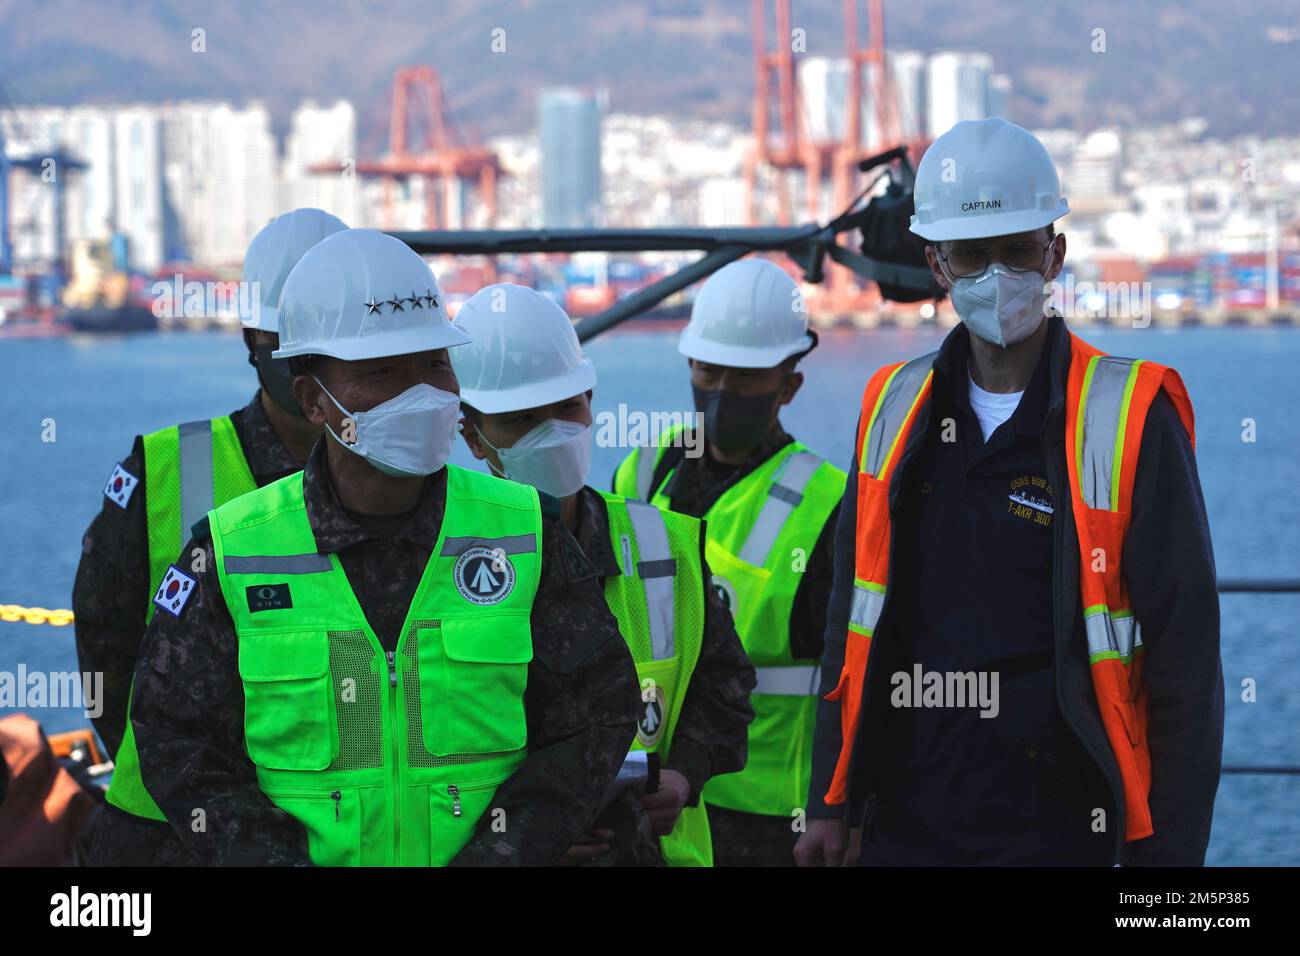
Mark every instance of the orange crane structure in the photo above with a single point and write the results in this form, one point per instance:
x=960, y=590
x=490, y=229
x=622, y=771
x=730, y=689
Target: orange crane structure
x=423, y=141
x=791, y=147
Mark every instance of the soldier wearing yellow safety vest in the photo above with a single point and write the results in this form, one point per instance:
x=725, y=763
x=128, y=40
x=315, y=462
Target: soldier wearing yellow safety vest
x=385, y=659
x=526, y=390
x=1022, y=661
x=168, y=482
x=768, y=503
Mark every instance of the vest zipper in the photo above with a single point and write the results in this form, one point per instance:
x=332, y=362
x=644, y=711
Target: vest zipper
x=336, y=796
x=396, y=757
x=455, y=799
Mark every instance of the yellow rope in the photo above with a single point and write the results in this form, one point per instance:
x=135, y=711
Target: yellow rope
x=34, y=615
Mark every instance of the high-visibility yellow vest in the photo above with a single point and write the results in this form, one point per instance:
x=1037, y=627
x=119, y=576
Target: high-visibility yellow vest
x=387, y=758
x=188, y=470
x=759, y=536
x=658, y=601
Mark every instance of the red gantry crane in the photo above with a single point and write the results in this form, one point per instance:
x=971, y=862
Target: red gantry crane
x=790, y=146
x=423, y=141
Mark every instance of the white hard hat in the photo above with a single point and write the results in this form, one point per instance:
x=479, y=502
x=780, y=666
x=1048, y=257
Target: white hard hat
x=748, y=314
x=524, y=354
x=271, y=256
x=362, y=294
x=985, y=178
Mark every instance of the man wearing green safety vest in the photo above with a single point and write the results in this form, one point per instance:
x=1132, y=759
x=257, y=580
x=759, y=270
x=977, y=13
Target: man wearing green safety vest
x=168, y=482
x=526, y=392
x=385, y=659
x=769, y=504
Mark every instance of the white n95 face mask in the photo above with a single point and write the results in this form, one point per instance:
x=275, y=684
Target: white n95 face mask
x=1001, y=306
x=554, y=457
x=410, y=435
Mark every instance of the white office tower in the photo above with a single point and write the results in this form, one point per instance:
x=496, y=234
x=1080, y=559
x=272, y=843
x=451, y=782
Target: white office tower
x=908, y=70
x=824, y=86
x=999, y=94
x=958, y=89
x=221, y=165
x=139, y=189
x=320, y=135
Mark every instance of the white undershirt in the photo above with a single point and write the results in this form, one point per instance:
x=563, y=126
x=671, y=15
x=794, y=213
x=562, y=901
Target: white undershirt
x=991, y=408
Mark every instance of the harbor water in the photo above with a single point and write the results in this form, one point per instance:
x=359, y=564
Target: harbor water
x=70, y=406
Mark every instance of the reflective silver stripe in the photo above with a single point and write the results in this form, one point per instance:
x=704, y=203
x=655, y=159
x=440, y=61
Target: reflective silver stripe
x=865, y=610
x=646, y=460
x=652, y=547
x=195, y=467
x=894, y=406
x=277, y=563
x=782, y=498
x=657, y=569
x=1121, y=634
x=788, y=681
x=510, y=544
x=1102, y=406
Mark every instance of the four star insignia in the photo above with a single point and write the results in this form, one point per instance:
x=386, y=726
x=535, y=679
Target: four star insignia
x=395, y=304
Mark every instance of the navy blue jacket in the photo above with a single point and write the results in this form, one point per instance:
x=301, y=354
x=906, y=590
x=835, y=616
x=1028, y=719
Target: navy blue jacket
x=1169, y=567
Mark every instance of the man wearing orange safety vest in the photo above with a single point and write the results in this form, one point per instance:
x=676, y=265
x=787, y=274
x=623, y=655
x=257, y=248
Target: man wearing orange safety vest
x=1022, y=650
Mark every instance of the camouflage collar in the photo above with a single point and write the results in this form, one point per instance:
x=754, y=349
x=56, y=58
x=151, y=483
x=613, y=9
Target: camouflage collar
x=335, y=529
x=268, y=458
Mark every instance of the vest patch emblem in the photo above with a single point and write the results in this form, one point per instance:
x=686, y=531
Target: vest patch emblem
x=1031, y=499
x=651, y=725
x=484, y=575
x=121, y=484
x=268, y=597
x=726, y=592
x=175, y=591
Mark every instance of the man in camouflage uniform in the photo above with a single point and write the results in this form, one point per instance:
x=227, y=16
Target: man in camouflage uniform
x=525, y=378
x=114, y=582
x=581, y=698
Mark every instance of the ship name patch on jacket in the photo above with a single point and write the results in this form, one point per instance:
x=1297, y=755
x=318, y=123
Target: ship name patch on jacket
x=175, y=591
x=121, y=484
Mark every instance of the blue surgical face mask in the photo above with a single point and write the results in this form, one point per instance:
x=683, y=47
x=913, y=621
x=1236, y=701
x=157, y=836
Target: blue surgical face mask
x=1001, y=306
x=554, y=457
x=410, y=435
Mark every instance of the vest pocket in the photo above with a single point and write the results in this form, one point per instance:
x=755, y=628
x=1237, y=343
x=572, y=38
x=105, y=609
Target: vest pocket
x=473, y=672
x=289, y=721
x=454, y=813
x=332, y=819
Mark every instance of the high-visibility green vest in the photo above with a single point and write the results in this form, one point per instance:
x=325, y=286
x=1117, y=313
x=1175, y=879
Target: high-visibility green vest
x=386, y=758
x=188, y=469
x=658, y=601
x=759, y=537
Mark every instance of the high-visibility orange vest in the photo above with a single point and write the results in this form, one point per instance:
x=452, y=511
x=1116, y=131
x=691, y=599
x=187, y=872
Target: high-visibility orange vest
x=1106, y=411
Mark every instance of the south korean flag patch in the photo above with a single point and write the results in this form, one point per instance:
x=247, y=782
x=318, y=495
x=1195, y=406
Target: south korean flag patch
x=175, y=590
x=121, y=485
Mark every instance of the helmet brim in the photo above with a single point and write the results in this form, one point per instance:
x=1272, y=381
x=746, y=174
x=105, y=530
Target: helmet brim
x=739, y=356
x=382, y=345
x=989, y=226
x=579, y=379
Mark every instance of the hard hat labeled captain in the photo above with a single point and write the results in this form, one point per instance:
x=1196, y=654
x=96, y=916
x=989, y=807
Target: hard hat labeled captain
x=388, y=612
x=1025, y=506
x=526, y=386
x=769, y=503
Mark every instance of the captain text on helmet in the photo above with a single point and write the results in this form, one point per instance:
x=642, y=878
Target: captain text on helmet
x=768, y=502
x=1023, y=512
x=385, y=659
x=526, y=388
x=168, y=482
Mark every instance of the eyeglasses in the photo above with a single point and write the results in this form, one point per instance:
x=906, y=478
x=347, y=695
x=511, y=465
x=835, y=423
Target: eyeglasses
x=1021, y=255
